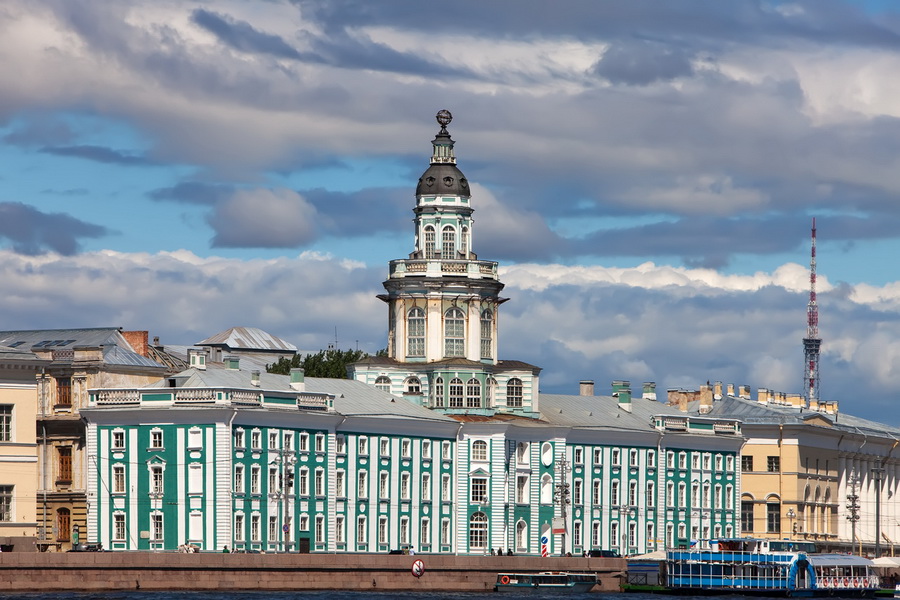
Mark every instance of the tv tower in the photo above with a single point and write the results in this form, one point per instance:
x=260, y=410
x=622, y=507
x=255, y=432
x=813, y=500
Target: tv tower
x=812, y=342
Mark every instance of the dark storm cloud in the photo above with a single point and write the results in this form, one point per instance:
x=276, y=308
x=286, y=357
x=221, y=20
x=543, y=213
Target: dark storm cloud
x=99, y=154
x=193, y=192
x=242, y=36
x=641, y=62
x=33, y=232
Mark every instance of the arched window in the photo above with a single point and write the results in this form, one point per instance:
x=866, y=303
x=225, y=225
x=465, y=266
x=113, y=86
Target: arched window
x=415, y=332
x=479, y=450
x=487, y=333
x=478, y=531
x=448, y=242
x=521, y=536
x=429, y=241
x=490, y=391
x=473, y=393
x=439, y=392
x=546, y=489
x=456, y=393
x=454, y=333
x=514, y=392
x=413, y=386
x=464, y=241
x=383, y=383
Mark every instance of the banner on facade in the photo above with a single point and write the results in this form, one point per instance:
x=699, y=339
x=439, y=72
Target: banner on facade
x=559, y=525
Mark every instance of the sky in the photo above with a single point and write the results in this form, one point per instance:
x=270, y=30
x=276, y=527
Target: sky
x=646, y=173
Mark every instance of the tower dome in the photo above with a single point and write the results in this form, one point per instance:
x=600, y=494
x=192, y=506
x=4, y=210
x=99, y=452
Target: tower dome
x=443, y=177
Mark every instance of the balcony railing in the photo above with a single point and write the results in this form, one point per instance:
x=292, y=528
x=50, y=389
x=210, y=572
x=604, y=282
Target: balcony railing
x=436, y=267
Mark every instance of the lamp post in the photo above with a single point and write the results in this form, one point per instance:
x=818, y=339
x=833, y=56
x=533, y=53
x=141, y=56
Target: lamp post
x=287, y=460
x=790, y=515
x=562, y=495
x=878, y=475
x=853, y=508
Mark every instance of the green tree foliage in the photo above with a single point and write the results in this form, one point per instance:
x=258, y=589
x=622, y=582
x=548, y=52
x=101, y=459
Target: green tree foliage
x=325, y=363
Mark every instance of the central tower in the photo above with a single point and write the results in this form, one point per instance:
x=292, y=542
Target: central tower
x=443, y=307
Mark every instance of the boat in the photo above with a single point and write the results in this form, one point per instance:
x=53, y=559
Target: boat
x=546, y=581
x=768, y=567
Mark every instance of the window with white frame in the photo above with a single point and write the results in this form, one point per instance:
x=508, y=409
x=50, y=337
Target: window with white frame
x=304, y=442
x=413, y=386
x=254, y=479
x=339, y=486
x=632, y=493
x=118, y=479
x=479, y=450
x=546, y=489
x=118, y=440
x=576, y=533
x=304, y=522
x=319, y=482
x=426, y=487
x=682, y=494
x=119, y=527
x=273, y=440
x=320, y=442
x=273, y=528
x=695, y=495
x=707, y=496
x=383, y=383
x=578, y=455
x=695, y=461
x=448, y=242
x=303, y=484
x=384, y=489
x=195, y=437
x=445, y=531
x=614, y=534
x=478, y=530
x=415, y=332
x=598, y=457
x=522, y=489
x=439, y=392
x=363, y=445
x=718, y=462
x=522, y=453
x=382, y=530
x=651, y=494
x=445, y=487
x=239, y=479
x=404, y=530
x=514, y=393
x=238, y=438
x=156, y=439
x=487, y=333
x=596, y=540
x=707, y=461
x=670, y=459
x=717, y=493
x=670, y=493
x=651, y=530
x=429, y=242
x=425, y=531
x=156, y=479
x=156, y=527
x=361, y=529
x=682, y=460
x=288, y=440
x=339, y=529
x=521, y=536
x=405, y=449
x=473, y=393
x=729, y=497
x=616, y=457
x=384, y=445
x=614, y=492
x=651, y=458
x=479, y=490
x=577, y=491
x=340, y=444
x=454, y=333
x=256, y=439
x=404, y=486
x=633, y=457
x=446, y=453
x=426, y=449
x=632, y=534
x=195, y=478
x=456, y=392
x=597, y=493
x=273, y=480
x=361, y=484
x=320, y=529
x=254, y=528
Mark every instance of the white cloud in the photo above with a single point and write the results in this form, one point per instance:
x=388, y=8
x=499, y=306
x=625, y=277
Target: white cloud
x=265, y=218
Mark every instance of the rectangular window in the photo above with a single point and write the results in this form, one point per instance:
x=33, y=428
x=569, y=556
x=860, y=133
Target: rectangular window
x=425, y=532
x=746, y=516
x=670, y=459
x=576, y=533
x=385, y=446
x=479, y=490
x=64, y=391
x=320, y=482
x=616, y=457
x=254, y=528
x=404, y=486
x=339, y=484
x=633, y=458
x=405, y=449
x=118, y=440
x=773, y=518
x=273, y=440
x=339, y=529
x=156, y=527
x=273, y=480
x=614, y=493
x=340, y=444
x=404, y=530
x=304, y=442
x=773, y=464
x=445, y=487
x=156, y=480
x=426, y=448
x=304, y=482
x=288, y=441
x=361, y=537
x=596, y=495
x=239, y=528
x=320, y=529
x=384, y=489
x=706, y=461
x=363, y=444
x=118, y=479
x=426, y=487
x=254, y=479
x=382, y=530
x=304, y=523
x=445, y=531
x=119, y=527
x=238, y=438
x=256, y=440
x=6, y=503
x=682, y=460
x=718, y=462
x=239, y=479
x=156, y=439
x=445, y=450
x=522, y=489
x=651, y=458
x=320, y=442
x=746, y=464
x=273, y=529
x=598, y=457
x=65, y=463
x=361, y=488
x=578, y=455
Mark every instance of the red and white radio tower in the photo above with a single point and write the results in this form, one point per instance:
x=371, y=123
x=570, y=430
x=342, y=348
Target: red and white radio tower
x=812, y=342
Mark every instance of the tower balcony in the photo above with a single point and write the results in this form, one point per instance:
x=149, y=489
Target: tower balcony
x=438, y=267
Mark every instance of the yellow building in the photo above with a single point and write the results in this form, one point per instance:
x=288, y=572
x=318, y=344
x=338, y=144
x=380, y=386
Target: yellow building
x=18, y=450
x=809, y=472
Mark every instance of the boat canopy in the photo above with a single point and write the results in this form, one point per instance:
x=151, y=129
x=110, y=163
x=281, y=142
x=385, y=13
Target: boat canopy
x=839, y=560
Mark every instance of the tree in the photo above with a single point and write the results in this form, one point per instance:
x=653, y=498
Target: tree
x=325, y=363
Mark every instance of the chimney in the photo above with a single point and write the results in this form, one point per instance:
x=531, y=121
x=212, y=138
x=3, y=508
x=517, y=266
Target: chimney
x=678, y=398
x=649, y=391
x=254, y=378
x=197, y=358
x=156, y=340
x=137, y=340
x=624, y=395
x=706, y=399
x=717, y=391
x=730, y=392
x=297, y=382
x=762, y=395
x=745, y=392
x=586, y=387
x=233, y=363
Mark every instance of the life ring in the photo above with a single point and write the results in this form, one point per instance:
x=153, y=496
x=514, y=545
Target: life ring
x=504, y=579
x=846, y=582
x=855, y=582
x=824, y=582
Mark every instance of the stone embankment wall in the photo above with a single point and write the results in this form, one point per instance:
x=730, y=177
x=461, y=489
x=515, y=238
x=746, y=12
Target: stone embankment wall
x=170, y=571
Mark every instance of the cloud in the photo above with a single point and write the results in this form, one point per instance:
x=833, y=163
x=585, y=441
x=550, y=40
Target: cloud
x=264, y=218
x=33, y=232
x=241, y=35
x=99, y=154
x=194, y=192
x=642, y=62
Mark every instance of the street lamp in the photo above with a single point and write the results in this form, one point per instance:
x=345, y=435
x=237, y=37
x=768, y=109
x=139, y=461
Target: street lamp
x=853, y=508
x=287, y=460
x=878, y=475
x=790, y=515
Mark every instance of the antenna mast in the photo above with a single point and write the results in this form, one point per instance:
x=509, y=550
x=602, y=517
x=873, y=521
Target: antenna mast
x=812, y=342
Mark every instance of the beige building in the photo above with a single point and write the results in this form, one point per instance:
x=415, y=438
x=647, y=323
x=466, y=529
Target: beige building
x=69, y=362
x=18, y=449
x=809, y=472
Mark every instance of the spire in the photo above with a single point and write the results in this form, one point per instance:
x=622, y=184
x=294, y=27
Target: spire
x=812, y=342
x=443, y=145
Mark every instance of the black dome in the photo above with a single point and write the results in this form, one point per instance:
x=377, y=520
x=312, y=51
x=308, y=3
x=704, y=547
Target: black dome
x=443, y=180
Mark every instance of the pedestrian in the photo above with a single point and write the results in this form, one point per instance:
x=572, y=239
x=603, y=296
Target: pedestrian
x=412, y=550
x=225, y=550
x=500, y=551
x=509, y=552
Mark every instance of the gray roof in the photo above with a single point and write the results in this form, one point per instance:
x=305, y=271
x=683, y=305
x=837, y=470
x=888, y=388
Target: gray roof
x=753, y=412
x=601, y=412
x=116, y=350
x=249, y=338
